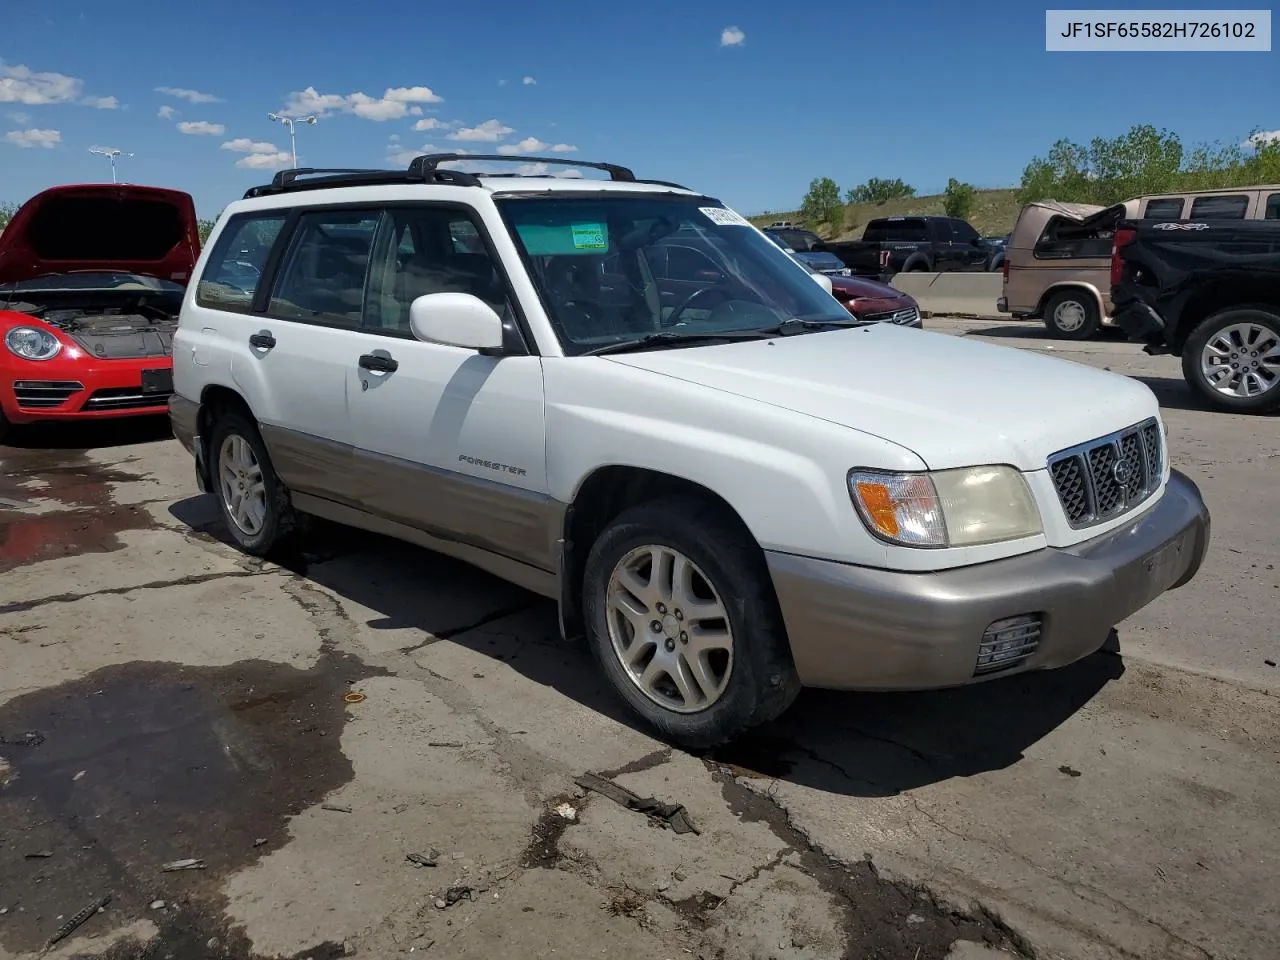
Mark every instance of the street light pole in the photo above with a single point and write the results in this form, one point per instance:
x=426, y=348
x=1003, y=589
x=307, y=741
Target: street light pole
x=293, y=140
x=111, y=155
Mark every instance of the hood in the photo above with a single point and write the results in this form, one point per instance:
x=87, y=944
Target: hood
x=953, y=402
x=121, y=228
x=858, y=288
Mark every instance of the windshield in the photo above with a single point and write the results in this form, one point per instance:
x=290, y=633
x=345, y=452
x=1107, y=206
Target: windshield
x=91, y=280
x=610, y=269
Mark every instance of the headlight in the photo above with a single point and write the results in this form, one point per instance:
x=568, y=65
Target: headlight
x=947, y=508
x=32, y=343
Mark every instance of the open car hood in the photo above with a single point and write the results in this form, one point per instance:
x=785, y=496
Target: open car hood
x=123, y=228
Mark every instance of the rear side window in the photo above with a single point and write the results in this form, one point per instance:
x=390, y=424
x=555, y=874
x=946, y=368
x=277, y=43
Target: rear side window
x=1226, y=207
x=963, y=232
x=1169, y=208
x=322, y=276
x=1273, y=207
x=235, y=265
x=912, y=230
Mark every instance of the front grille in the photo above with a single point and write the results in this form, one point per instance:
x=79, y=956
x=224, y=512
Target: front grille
x=1008, y=643
x=903, y=317
x=42, y=394
x=1107, y=477
x=125, y=398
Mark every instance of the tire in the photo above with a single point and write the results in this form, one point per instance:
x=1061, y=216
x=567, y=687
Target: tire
x=753, y=684
x=916, y=266
x=234, y=432
x=1256, y=330
x=1072, y=315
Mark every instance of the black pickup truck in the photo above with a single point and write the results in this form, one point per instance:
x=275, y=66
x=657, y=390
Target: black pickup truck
x=892, y=245
x=1209, y=292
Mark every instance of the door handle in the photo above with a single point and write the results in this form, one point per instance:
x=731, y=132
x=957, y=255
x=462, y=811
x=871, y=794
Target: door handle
x=263, y=340
x=378, y=362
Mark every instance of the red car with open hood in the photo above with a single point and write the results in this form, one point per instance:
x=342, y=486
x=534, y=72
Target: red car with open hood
x=91, y=281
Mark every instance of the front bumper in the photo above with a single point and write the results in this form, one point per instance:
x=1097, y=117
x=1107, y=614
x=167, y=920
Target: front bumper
x=1002, y=305
x=857, y=628
x=84, y=389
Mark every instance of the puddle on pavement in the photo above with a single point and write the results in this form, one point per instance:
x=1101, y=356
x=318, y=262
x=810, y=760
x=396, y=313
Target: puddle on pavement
x=140, y=764
x=88, y=520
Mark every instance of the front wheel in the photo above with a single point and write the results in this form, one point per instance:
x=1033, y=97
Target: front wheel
x=253, y=502
x=682, y=618
x=1232, y=359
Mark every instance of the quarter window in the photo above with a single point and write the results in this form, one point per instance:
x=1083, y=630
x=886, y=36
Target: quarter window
x=1170, y=208
x=1230, y=206
x=1273, y=207
x=322, y=277
x=235, y=266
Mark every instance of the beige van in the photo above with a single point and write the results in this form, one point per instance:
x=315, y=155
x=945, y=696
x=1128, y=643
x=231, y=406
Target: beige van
x=1057, y=266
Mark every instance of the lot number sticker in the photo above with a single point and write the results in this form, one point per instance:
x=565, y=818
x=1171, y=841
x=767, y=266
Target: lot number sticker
x=589, y=236
x=724, y=217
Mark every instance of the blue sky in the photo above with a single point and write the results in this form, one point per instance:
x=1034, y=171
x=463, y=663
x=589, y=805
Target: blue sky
x=747, y=100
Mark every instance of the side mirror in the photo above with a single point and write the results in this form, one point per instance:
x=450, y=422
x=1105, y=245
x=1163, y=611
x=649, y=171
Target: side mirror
x=822, y=280
x=456, y=320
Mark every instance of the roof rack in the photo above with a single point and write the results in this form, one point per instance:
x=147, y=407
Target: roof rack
x=429, y=162
x=423, y=169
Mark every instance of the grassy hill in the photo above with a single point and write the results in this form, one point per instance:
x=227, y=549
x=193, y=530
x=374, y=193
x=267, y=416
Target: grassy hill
x=994, y=212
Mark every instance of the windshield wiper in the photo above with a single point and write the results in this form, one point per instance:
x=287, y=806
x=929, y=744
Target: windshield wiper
x=789, y=328
x=677, y=338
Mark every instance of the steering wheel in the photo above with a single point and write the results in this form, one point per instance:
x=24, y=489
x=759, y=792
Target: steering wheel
x=720, y=289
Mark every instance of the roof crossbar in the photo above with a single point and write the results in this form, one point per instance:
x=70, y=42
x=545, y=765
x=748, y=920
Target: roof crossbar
x=429, y=162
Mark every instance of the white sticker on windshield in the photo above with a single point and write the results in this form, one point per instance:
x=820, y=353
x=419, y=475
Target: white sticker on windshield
x=724, y=217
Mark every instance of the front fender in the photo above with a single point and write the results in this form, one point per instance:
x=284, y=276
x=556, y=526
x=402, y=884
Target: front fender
x=782, y=472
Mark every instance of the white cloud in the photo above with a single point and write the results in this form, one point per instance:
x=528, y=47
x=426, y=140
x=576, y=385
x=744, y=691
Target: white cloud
x=166, y=112
x=1261, y=137
x=245, y=145
x=527, y=145
x=28, y=139
x=19, y=117
x=198, y=128
x=191, y=96
x=529, y=82
x=266, y=161
x=564, y=148
x=542, y=169
x=491, y=131
x=21, y=84
x=502, y=83
x=395, y=103
x=427, y=123
x=412, y=95
x=732, y=37
x=394, y=138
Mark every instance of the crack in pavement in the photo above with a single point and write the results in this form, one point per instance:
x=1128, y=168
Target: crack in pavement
x=22, y=606
x=492, y=617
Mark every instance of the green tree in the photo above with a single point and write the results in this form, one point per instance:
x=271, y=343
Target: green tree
x=877, y=190
x=7, y=210
x=822, y=203
x=206, y=228
x=957, y=200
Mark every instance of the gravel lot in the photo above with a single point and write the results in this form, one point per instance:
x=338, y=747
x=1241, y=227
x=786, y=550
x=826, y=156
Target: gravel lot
x=162, y=697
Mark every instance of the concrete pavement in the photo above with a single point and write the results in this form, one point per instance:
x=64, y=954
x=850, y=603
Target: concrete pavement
x=163, y=697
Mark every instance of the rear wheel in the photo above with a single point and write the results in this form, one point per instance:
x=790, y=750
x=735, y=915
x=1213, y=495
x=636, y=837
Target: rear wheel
x=254, y=503
x=683, y=620
x=1072, y=315
x=1232, y=359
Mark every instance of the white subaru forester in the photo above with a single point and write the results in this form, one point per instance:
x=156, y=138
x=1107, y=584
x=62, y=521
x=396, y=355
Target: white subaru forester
x=621, y=395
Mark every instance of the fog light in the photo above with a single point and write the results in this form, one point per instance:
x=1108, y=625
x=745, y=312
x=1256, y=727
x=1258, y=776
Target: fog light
x=1007, y=643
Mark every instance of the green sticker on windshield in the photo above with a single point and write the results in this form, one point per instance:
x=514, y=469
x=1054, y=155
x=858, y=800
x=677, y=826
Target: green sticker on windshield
x=589, y=236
